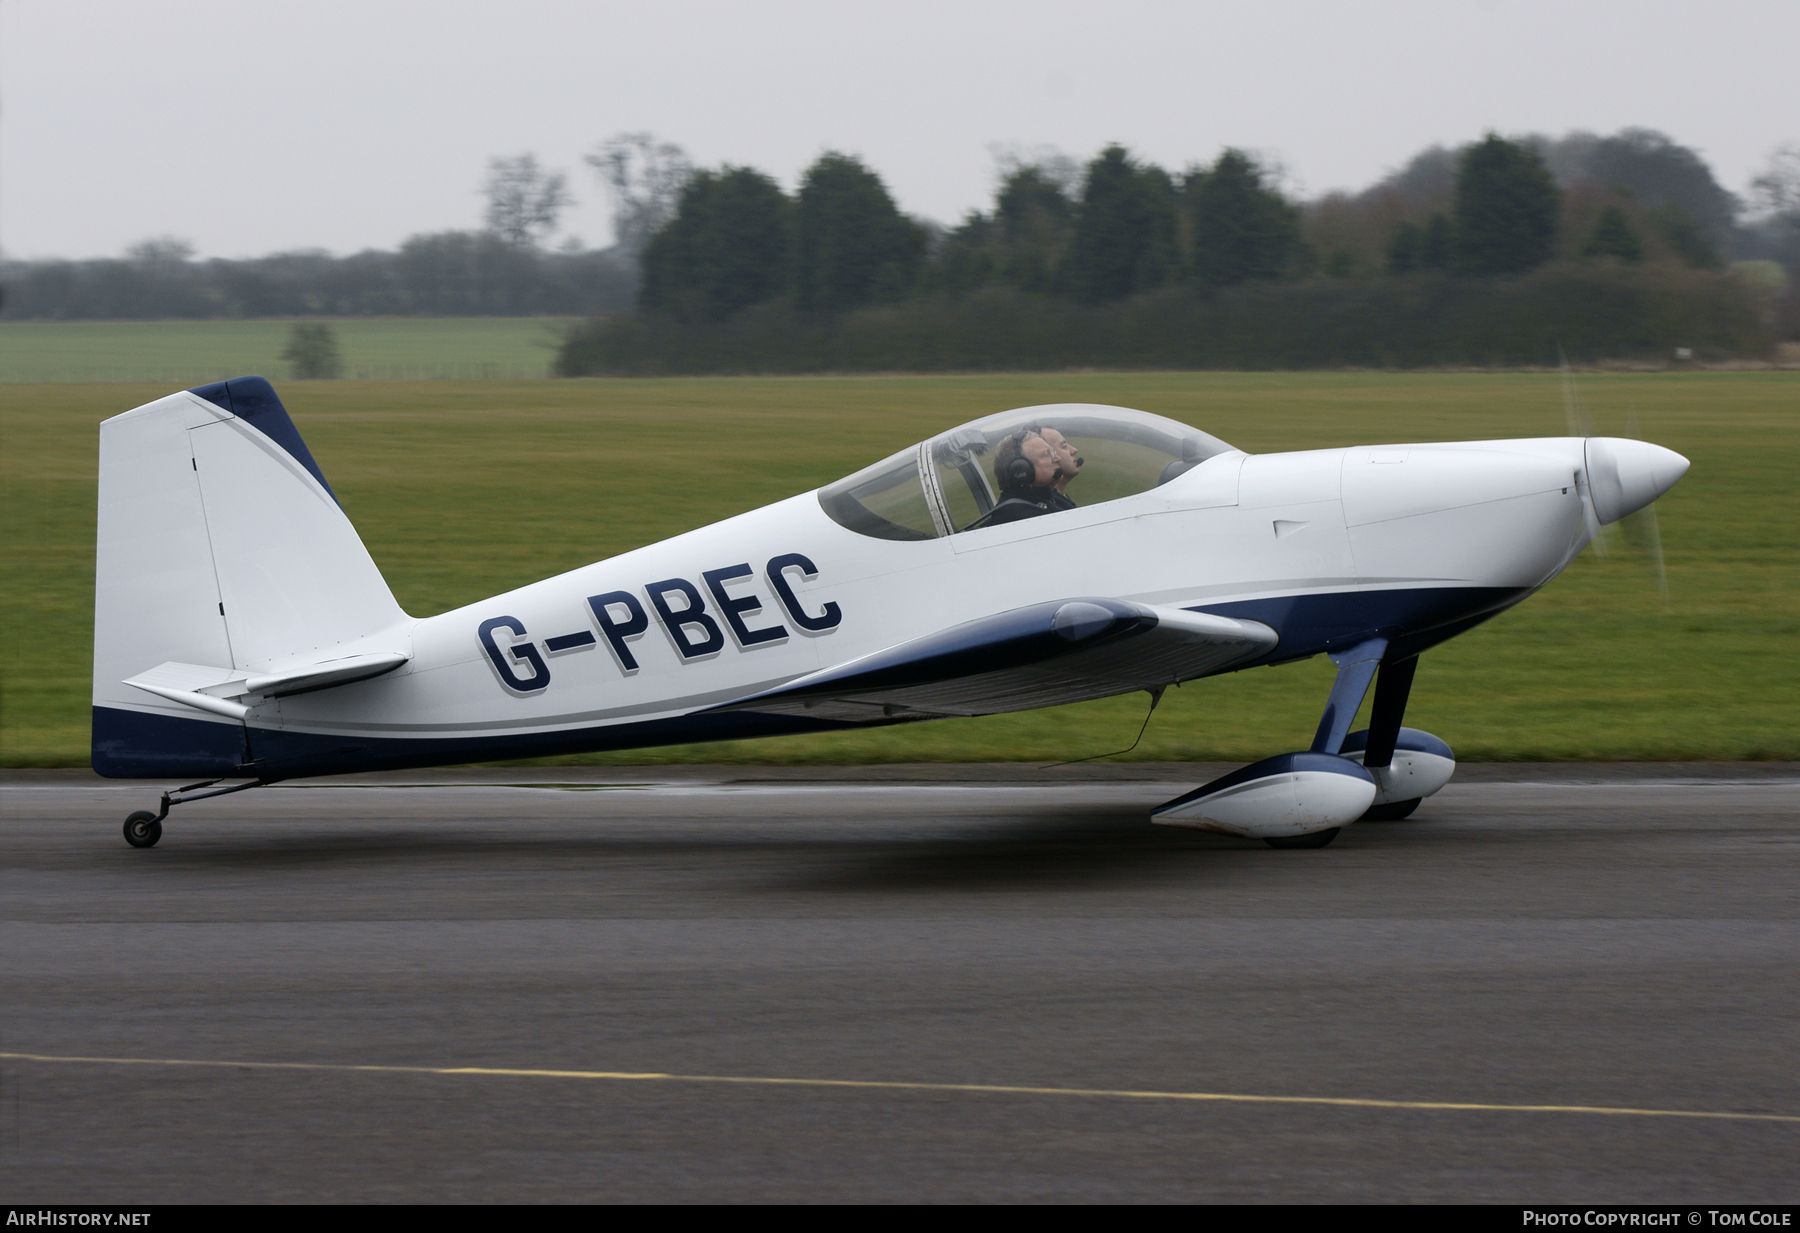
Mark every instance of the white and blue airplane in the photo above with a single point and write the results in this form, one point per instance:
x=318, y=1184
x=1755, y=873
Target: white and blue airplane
x=241, y=629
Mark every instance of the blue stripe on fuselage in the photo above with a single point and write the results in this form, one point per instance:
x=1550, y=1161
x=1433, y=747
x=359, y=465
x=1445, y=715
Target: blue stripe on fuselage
x=1413, y=619
x=150, y=744
x=130, y=744
x=147, y=745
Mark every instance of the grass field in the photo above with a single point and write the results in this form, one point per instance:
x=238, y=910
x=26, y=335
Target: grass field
x=462, y=489
x=189, y=353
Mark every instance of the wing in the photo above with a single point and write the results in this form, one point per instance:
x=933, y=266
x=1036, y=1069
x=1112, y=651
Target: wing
x=1045, y=655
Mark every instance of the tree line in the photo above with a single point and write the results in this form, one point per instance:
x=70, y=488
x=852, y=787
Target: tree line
x=1123, y=227
x=744, y=277
x=500, y=270
x=701, y=253
x=451, y=273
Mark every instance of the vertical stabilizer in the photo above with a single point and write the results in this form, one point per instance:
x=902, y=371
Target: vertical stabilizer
x=219, y=545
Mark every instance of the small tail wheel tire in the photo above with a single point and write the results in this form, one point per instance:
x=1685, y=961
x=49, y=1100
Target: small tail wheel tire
x=143, y=829
x=1393, y=811
x=1317, y=839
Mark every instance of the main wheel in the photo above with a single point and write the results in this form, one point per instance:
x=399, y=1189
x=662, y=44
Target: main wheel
x=142, y=829
x=1317, y=839
x=1393, y=811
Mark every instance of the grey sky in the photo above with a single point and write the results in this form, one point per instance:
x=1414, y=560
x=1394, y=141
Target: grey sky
x=250, y=127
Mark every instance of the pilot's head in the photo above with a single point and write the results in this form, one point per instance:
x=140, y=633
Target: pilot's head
x=1068, y=462
x=1024, y=460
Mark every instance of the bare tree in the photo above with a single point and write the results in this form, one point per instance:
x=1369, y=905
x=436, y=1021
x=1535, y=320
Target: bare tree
x=1050, y=163
x=1777, y=190
x=163, y=252
x=645, y=177
x=523, y=199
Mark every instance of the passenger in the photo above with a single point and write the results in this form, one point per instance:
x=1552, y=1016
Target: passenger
x=1026, y=469
x=1068, y=466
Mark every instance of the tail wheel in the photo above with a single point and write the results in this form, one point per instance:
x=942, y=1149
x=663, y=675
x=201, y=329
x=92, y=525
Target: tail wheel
x=142, y=829
x=1317, y=839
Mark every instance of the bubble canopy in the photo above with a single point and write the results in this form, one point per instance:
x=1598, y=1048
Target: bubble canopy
x=949, y=484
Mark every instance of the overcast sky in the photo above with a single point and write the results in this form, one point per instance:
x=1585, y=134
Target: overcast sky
x=250, y=127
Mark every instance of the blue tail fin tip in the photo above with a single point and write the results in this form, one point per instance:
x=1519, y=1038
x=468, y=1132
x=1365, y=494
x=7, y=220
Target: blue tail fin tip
x=253, y=400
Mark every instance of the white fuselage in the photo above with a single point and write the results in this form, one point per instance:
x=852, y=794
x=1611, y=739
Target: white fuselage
x=1370, y=529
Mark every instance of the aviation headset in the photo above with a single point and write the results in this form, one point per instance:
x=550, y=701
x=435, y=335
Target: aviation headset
x=1019, y=471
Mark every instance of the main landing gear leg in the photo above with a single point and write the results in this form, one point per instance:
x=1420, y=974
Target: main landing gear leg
x=1356, y=669
x=143, y=828
x=1392, y=689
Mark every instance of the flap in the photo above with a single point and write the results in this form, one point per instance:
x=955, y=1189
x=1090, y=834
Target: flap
x=1045, y=655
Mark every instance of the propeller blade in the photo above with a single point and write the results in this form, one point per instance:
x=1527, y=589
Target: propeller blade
x=1640, y=529
x=1640, y=533
x=1576, y=417
x=1574, y=414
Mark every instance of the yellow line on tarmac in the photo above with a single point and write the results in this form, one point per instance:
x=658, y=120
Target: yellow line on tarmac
x=997, y=1089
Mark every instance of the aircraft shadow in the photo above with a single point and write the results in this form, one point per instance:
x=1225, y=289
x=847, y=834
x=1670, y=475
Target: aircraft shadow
x=1096, y=845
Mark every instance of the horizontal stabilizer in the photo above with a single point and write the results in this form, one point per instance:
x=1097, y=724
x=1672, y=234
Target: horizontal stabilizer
x=1044, y=655
x=179, y=682
x=213, y=689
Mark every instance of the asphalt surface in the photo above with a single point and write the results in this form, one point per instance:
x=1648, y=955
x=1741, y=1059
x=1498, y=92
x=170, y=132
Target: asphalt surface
x=1575, y=939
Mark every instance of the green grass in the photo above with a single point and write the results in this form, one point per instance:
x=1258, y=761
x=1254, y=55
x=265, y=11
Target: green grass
x=190, y=353
x=1594, y=667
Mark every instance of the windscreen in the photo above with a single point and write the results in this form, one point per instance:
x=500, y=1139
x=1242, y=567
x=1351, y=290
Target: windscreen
x=886, y=500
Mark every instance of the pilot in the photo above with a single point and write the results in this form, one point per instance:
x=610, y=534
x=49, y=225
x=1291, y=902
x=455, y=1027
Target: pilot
x=1068, y=466
x=1026, y=468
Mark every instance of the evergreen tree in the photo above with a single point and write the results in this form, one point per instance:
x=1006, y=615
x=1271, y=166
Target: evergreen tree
x=313, y=351
x=726, y=248
x=1686, y=237
x=852, y=246
x=1403, y=249
x=1437, y=248
x=1124, y=237
x=1613, y=237
x=968, y=258
x=1019, y=244
x=1034, y=220
x=1243, y=229
x=1506, y=207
